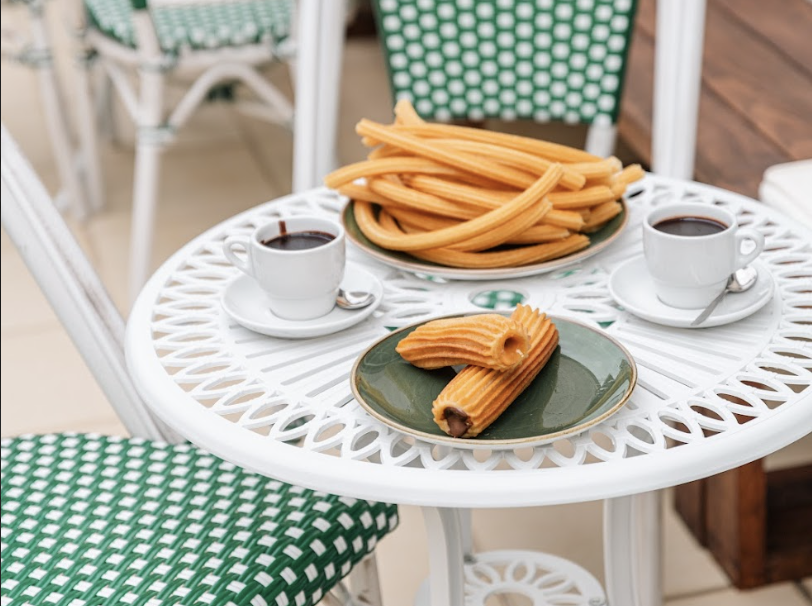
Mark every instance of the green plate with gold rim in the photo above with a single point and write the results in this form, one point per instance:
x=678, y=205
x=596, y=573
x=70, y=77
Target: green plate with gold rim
x=401, y=260
x=589, y=377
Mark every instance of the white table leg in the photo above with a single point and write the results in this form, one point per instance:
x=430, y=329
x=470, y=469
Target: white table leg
x=466, y=534
x=647, y=509
x=632, y=540
x=446, y=581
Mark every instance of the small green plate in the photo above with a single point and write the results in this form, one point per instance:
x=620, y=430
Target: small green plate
x=597, y=242
x=589, y=377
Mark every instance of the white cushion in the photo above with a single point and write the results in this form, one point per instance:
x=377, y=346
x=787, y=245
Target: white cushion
x=788, y=188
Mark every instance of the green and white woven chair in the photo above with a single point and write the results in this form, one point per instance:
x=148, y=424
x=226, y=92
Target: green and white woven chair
x=201, y=45
x=94, y=520
x=540, y=60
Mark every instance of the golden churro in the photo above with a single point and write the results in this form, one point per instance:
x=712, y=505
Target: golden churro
x=476, y=396
x=460, y=160
x=506, y=155
x=449, y=235
x=471, y=198
x=600, y=215
x=545, y=149
x=506, y=258
x=487, y=340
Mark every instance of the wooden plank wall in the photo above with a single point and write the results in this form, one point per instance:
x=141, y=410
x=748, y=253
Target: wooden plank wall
x=756, y=101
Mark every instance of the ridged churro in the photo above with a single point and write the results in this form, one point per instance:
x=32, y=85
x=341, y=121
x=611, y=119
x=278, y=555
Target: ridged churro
x=457, y=233
x=476, y=396
x=487, y=340
x=476, y=199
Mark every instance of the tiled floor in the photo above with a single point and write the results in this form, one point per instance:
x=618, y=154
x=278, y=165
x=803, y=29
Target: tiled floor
x=223, y=164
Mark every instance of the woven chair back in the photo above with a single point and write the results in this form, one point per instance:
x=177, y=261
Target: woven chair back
x=544, y=60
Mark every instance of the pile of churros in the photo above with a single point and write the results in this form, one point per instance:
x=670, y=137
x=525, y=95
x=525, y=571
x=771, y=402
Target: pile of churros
x=470, y=198
x=502, y=357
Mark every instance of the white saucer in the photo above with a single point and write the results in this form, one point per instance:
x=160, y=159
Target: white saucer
x=246, y=302
x=631, y=287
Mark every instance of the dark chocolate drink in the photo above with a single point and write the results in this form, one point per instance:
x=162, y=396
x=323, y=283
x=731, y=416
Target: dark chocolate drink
x=690, y=226
x=300, y=240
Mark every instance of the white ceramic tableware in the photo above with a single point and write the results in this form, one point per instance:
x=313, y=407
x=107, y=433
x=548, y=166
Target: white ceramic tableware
x=632, y=288
x=299, y=284
x=689, y=271
x=246, y=303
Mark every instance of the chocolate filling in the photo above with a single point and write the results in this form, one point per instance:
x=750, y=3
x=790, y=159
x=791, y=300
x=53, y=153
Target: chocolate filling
x=458, y=421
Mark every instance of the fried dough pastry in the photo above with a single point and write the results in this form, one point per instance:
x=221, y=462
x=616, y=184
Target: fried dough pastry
x=476, y=396
x=475, y=199
x=487, y=340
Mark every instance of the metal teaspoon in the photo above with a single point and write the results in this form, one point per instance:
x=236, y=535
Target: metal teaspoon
x=353, y=299
x=739, y=281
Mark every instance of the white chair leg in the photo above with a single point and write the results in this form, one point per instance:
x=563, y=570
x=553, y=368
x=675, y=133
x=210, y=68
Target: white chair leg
x=364, y=582
x=447, y=580
x=88, y=139
x=55, y=117
x=677, y=83
x=632, y=542
x=305, y=123
x=105, y=108
x=600, y=140
x=332, y=27
x=145, y=193
x=466, y=534
x=152, y=137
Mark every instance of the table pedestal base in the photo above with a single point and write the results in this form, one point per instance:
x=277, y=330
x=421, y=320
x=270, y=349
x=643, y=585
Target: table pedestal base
x=541, y=579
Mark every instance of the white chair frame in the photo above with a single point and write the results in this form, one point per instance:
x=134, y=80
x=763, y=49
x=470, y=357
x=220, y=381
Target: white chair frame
x=79, y=182
x=315, y=75
x=87, y=312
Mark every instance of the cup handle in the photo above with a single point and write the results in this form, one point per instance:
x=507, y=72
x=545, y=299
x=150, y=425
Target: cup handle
x=748, y=234
x=243, y=264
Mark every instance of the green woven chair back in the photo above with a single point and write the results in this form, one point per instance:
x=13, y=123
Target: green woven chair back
x=197, y=24
x=90, y=520
x=531, y=59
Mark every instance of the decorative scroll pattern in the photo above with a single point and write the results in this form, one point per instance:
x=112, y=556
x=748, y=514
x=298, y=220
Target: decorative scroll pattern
x=692, y=385
x=540, y=578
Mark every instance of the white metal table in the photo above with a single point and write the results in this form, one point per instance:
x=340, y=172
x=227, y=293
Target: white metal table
x=706, y=400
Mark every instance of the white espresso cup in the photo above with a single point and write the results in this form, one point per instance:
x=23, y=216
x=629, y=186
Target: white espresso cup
x=689, y=271
x=298, y=262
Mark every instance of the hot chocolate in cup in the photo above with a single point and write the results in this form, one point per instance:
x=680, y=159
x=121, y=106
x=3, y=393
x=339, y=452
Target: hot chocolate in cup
x=298, y=261
x=692, y=249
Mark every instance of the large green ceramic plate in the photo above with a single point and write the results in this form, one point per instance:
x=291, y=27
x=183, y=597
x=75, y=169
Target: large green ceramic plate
x=598, y=241
x=589, y=377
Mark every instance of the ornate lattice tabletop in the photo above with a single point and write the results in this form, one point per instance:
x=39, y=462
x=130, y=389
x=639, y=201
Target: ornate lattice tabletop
x=706, y=400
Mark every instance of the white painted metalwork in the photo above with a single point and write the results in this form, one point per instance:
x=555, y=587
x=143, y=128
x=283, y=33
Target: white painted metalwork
x=199, y=70
x=37, y=53
x=694, y=390
x=93, y=322
x=541, y=579
x=707, y=400
x=71, y=286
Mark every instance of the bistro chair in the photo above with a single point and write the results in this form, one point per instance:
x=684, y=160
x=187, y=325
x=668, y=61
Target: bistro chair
x=786, y=187
x=205, y=47
x=149, y=520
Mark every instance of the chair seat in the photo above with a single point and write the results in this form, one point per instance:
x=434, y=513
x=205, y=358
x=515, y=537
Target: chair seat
x=786, y=187
x=198, y=25
x=89, y=519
